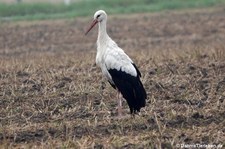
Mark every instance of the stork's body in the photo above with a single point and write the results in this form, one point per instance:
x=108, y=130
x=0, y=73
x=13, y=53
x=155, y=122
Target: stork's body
x=117, y=67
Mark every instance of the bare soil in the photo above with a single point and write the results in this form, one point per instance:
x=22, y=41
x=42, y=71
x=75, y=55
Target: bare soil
x=52, y=94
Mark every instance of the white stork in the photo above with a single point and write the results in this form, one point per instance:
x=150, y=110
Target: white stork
x=118, y=68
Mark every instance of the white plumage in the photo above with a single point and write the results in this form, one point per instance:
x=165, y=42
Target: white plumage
x=117, y=67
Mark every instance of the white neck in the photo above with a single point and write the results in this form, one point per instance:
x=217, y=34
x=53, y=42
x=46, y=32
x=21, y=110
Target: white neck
x=103, y=37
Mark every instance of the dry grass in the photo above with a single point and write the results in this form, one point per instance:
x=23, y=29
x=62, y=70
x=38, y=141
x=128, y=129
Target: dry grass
x=52, y=95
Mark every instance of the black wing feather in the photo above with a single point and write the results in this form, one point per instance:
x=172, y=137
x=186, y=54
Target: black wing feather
x=138, y=72
x=130, y=87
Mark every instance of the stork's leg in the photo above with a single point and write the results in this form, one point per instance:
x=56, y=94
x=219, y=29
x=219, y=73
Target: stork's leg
x=119, y=100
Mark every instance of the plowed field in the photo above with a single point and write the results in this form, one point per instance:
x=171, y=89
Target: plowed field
x=52, y=94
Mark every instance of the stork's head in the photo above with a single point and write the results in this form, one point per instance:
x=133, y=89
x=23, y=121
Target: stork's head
x=99, y=16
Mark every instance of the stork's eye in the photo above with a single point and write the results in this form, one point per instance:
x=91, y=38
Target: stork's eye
x=98, y=16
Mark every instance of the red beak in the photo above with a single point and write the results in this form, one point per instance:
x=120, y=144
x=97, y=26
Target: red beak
x=94, y=22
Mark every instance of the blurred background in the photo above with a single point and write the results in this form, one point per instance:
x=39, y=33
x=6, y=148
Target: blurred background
x=45, y=9
x=36, y=1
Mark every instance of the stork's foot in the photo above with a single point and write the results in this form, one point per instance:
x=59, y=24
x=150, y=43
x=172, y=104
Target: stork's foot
x=119, y=111
x=121, y=117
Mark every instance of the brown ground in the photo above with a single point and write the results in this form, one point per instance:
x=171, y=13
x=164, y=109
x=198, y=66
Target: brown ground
x=52, y=94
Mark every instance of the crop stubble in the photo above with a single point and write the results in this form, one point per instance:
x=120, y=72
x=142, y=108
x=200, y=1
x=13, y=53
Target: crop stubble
x=52, y=94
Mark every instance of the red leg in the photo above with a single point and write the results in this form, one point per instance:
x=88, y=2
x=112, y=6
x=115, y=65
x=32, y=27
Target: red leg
x=119, y=100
